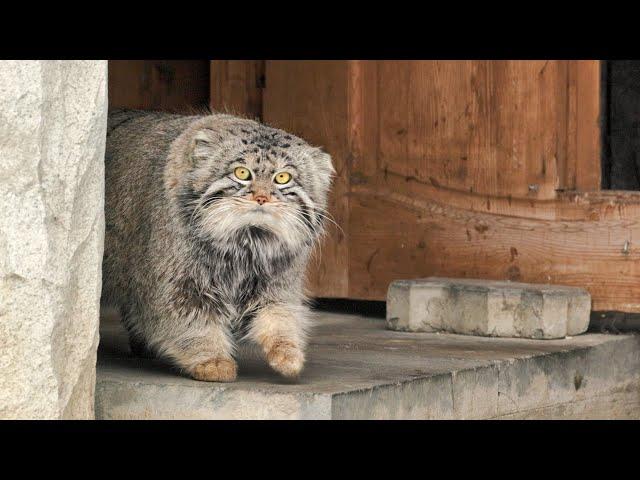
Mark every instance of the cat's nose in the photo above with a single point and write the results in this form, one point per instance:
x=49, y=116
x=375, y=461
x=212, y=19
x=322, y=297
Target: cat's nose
x=261, y=199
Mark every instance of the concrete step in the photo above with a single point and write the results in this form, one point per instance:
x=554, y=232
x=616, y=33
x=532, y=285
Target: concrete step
x=359, y=370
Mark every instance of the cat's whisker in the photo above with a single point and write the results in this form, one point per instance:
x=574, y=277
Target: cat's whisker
x=325, y=214
x=200, y=206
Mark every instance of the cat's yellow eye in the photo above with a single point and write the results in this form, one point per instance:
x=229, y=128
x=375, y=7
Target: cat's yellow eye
x=242, y=173
x=282, y=178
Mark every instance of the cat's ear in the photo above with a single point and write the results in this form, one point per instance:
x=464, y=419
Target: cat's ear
x=204, y=142
x=325, y=173
x=323, y=161
x=210, y=143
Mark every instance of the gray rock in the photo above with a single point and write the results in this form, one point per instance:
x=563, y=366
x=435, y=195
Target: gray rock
x=52, y=138
x=489, y=308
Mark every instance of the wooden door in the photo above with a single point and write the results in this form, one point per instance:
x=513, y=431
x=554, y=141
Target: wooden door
x=482, y=169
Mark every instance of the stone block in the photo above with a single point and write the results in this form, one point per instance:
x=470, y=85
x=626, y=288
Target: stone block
x=487, y=308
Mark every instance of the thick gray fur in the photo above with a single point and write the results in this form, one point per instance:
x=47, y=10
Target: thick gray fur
x=191, y=260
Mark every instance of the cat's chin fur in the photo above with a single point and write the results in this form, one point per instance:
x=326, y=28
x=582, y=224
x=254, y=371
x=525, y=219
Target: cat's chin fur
x=191, y=260
x=273, y=222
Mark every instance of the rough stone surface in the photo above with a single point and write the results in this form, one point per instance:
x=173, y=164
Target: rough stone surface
x=489, y=308
x=52, y=138
x=359, y=370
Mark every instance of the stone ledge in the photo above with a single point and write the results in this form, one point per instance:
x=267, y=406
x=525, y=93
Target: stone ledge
x=488, y=308
x=359, y=370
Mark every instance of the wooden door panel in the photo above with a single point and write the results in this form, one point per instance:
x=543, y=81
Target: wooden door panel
x=487, y=127
x=478, y=169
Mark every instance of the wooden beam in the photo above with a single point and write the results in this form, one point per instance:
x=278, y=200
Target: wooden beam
x=412, y=236
x=236, y=87
x=588, y=126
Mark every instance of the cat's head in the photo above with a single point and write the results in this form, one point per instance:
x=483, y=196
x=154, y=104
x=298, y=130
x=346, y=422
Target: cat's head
x=245, y=178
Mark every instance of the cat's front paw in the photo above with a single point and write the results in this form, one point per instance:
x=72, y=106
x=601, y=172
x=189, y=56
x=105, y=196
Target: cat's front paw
x=285, y=358
x=215, y=370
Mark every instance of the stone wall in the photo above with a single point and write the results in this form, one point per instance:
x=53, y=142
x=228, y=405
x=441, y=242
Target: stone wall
x=52, y=139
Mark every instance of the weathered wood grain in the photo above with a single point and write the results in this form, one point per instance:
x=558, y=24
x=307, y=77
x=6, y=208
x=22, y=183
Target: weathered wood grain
x=419, y=211
x=410, y=237
x=236, y=87
x=486, y=127
x=588, y=135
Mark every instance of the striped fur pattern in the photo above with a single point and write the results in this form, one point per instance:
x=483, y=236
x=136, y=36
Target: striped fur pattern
x=197, y=259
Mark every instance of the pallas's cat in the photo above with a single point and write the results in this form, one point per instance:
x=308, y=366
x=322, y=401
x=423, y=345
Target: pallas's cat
x=210, y=222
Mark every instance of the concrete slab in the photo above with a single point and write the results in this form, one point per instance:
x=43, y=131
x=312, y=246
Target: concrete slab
x=489, y=308
x=359, y=370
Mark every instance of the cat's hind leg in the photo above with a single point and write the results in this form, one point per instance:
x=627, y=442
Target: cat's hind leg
x=139, y=348
x=128, y=317
x=203, y=349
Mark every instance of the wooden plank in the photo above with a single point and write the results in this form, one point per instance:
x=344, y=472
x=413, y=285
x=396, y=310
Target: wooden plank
x=392, y=89
x=236, y=87
x=411, y=238
x=180, y=86
x=489, y=127
x=311, y=99
x=588, y=134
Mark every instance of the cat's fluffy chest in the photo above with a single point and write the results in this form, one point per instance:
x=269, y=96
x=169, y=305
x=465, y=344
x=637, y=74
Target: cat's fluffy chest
x=236, y=275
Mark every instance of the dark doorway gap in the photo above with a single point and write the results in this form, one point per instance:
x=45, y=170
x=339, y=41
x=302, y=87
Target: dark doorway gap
x=367, y=308
x=620, y=123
